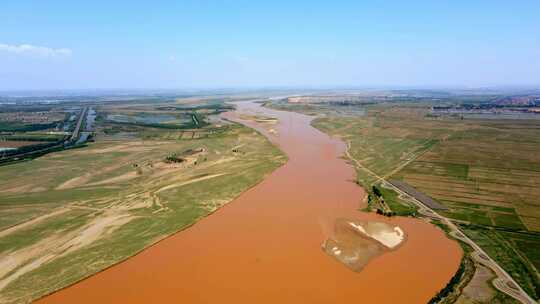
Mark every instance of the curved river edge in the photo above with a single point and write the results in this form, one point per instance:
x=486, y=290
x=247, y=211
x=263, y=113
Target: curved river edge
x=264, y=246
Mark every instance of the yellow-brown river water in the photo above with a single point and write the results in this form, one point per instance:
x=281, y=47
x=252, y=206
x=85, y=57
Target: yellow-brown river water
x=265, y=246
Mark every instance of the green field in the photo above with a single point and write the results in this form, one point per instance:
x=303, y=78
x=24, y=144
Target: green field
x=397, y=205
x=381, y=147
x=69, y=214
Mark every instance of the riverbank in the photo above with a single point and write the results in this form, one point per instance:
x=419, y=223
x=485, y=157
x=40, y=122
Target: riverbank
x=264, y=247
x=71, y=214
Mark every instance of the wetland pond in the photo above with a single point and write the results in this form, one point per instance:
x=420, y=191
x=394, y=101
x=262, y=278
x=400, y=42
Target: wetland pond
x=265, y=246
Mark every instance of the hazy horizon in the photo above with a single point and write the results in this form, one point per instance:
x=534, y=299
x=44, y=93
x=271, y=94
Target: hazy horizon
x=245, y=45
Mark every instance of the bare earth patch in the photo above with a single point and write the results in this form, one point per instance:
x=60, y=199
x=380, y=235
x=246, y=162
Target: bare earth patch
x=478, y=288
x=356, y=243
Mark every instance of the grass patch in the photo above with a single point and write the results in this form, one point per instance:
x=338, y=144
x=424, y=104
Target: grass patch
x=397, y=205
x=510, y=221
x=458, y=171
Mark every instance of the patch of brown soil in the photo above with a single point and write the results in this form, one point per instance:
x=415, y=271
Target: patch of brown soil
x=350, y=247
x=117, y=179
x=355, y=243
x=191, y=181
x=75, y=182
x=17, y=143
x=18, y=189
x=478, y=288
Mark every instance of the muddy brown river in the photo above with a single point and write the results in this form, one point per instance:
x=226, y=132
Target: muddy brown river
x=265, y=246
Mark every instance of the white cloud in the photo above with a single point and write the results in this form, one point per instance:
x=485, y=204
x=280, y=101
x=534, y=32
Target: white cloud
x=35, y=50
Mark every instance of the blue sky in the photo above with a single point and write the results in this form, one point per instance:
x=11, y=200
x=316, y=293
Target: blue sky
x=208, y=44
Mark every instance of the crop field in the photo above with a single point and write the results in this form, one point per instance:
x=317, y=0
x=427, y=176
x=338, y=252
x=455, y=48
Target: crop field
x=488, y=175
x=381, y=145
x=69, y=214
x=379, y=141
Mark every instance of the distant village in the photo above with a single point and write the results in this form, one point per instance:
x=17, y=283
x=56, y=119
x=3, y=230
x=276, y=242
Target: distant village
x=510, y=104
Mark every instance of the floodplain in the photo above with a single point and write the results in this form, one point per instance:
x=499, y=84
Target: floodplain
x=69, y=214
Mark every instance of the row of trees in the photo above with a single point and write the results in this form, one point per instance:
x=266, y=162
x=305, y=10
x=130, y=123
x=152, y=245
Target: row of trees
x=14, y=127
x=381, y=211
x=46, y=138
x=29, y=149
x=174, y=158
x=377, y=191
x=443, y=293
x=385, y=213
